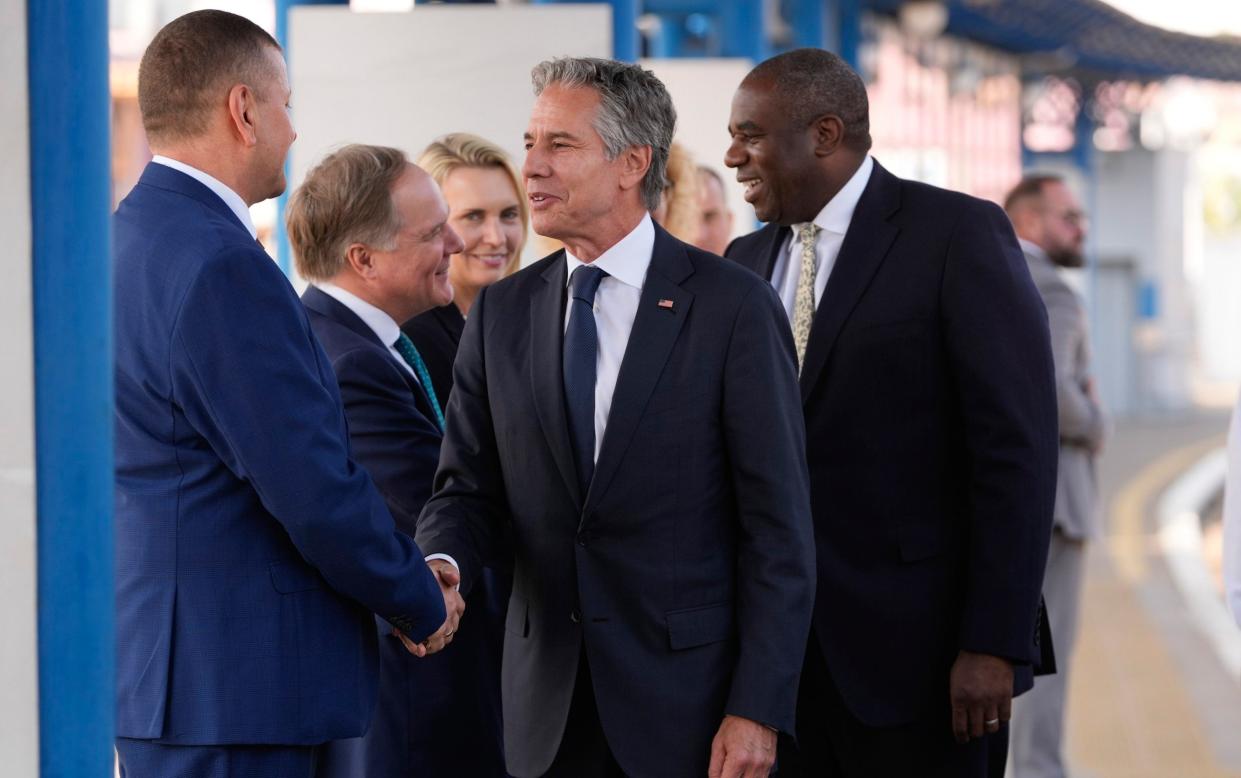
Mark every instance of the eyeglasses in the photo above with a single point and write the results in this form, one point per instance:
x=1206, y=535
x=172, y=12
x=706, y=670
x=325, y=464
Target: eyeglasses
x=1073, y=218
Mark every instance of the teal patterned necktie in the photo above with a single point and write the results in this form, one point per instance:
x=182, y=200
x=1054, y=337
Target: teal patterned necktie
x=405, y=347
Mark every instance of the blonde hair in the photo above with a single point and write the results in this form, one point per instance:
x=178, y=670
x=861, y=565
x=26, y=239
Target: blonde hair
x=345, y=199
x=682, y=216
x=462, y=149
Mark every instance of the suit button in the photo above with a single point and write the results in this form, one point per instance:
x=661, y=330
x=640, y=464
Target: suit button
x=582, y=538
x=575, y=616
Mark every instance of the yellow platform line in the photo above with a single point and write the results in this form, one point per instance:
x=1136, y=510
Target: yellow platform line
x=1129, y=541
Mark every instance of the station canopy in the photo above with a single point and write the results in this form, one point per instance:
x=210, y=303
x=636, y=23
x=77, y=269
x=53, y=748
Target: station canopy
x=1087, y=36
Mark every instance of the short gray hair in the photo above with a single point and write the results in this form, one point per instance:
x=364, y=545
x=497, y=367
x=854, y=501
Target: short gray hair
x=635, y=109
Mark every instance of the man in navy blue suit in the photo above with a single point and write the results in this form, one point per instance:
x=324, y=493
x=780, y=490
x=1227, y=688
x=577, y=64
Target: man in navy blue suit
x=930, y=411
x=370, y=232
x=624, y=422
x=251, y=549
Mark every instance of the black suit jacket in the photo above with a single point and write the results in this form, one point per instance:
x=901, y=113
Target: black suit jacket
x=437, y=335
x=437, y=715
x=930, y=405
x=686, y=572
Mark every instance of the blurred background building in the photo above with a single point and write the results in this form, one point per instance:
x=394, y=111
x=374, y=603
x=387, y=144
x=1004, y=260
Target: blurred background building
x=1137, y=102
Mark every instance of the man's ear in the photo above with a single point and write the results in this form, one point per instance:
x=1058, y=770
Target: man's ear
x=829, y=134
x=242, y=112
x=1026, y=222
x=635, y=161
x=359, y=258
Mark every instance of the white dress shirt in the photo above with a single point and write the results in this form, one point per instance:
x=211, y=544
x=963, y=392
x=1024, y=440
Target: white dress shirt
x=383, y=325
x=230, y=198
x=1232, y=517
x=833, y=222
x=616, y=305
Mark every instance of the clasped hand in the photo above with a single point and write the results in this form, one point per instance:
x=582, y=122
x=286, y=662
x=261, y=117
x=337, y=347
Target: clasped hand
x=449, y=579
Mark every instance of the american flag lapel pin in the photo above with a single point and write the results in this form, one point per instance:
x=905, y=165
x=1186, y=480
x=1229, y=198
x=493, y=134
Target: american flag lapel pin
x=666, y=305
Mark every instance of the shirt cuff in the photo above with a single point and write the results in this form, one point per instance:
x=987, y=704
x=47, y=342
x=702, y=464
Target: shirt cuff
x=450, y=561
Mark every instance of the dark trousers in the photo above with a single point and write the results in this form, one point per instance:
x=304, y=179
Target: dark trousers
x=438, y=715
x=149, y=759
x=584, y=750
x=832, y=743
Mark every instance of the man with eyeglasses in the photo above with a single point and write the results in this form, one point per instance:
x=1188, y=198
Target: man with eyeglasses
x=1051, y=228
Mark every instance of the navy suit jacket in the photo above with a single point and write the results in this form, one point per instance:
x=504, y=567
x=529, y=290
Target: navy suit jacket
x=250, y=549
x=930, y=406
x=437, y=715
x=685, y=572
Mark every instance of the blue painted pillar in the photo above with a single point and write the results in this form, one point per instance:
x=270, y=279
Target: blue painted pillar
x=743, y=27
x=284, y=254
x=849, y=31
x=625, y=38
x=668, y=40
x=1084, y=159
x=809, y=23
x=71, y=200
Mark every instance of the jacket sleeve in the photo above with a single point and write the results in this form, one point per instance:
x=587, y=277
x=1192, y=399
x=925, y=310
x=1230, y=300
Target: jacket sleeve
x=1081, y=417
x=765, y=444
x=997, y=344
x=467, y=516
x=246, y=370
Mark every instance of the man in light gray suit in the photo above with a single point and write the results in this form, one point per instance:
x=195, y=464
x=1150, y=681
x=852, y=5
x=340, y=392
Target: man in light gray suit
x=1051, y=227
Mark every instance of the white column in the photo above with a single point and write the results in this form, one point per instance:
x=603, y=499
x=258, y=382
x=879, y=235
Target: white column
x=19, y=700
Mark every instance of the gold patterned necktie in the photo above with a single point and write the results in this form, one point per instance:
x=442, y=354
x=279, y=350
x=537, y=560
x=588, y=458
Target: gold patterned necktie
x=803, y=302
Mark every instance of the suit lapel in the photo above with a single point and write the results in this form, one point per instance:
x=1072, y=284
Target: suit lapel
x=866, y=243
x=546, y=372
x=655, y=330
x=778, y=236
x=321, y=302
x=421, y=398
x=766, y=249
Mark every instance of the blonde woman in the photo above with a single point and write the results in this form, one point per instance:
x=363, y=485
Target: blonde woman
x=487, y=207
x=679, y=212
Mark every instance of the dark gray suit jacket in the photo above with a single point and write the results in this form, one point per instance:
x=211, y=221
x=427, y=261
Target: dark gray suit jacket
x=686, y=572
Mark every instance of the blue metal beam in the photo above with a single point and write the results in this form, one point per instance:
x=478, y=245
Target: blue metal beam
x=625, y=40
x=668, y=39
x=284, y=254
x=681, y=6
x=849, y=31
x=744, y=30
x=71, y=197
x=808, y=20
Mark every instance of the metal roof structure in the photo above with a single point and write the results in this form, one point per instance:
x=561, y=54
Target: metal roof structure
x=1089, y=37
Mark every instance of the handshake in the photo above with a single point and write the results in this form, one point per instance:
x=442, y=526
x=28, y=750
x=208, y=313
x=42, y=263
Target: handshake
x=449, y=579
